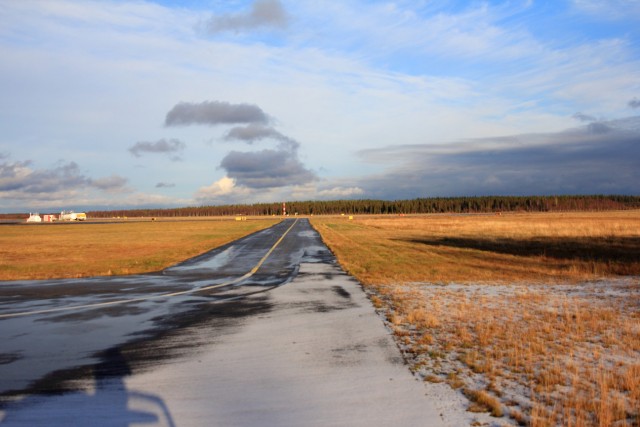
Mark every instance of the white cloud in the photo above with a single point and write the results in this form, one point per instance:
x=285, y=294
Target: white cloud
x=338, y=192
x=225, y=190
x=383, y=29
x=222, y=187
x=610, y=9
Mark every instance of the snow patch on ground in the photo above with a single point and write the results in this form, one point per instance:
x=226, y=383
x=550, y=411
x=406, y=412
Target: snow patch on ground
x=533, y=347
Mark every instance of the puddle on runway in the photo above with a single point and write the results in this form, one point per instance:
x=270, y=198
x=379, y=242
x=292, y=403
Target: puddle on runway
x=216, y=262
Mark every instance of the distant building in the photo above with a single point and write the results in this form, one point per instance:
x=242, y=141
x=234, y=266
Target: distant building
x=72, y=216
x=34, y=217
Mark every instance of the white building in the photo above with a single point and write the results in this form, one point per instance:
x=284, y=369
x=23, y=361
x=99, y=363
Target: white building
x=34, y=217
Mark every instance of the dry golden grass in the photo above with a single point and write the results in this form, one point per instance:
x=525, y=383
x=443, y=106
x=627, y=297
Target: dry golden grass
x=483, y=401
x=472, y=248
x=509, y=308
x=84, y=249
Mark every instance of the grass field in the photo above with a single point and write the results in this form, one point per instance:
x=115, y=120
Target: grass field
x=473, y=248
x=42, y=251
x=535, y=317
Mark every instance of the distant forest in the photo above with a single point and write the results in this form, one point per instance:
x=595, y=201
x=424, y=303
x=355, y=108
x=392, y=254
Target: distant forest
x=486, y=204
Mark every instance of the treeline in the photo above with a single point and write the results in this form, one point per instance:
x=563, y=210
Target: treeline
x=486, y=204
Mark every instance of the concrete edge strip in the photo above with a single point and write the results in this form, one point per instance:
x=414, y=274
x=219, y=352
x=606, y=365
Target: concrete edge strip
x=169, y=295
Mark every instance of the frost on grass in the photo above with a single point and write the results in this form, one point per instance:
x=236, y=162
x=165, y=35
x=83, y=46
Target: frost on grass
x=533, y=354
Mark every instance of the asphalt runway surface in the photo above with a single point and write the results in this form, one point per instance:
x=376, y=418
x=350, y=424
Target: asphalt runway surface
x=215, y=340
x=40, y=347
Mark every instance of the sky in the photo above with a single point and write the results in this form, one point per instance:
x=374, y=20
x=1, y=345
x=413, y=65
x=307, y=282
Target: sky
x=116, y=104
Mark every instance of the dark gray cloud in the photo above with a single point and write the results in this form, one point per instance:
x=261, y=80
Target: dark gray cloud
x=263, y=14
x=578, y=161
x=634, y=103
x=19, y=181
x=113, y=183
x=214, y=113
x=19, y=178
x=595, y=125
x=12, y=174
x=254, y=132
x=584, y=117
x=598, y=127
x=267, y=168
x=162, y=146
x=165, y=185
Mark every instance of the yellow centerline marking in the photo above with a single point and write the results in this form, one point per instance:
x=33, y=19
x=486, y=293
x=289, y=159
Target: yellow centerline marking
x=169, y=295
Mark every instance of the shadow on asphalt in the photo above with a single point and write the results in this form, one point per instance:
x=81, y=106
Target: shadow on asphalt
x=110, y=404
x=68, y=397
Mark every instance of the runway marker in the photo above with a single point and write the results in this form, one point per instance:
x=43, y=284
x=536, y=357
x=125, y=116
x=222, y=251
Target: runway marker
x=172, y=294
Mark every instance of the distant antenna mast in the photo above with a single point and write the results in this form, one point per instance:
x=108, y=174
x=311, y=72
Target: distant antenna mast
x=284, y=209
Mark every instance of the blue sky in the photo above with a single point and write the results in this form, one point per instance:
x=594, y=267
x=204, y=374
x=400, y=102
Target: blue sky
x=112, y=104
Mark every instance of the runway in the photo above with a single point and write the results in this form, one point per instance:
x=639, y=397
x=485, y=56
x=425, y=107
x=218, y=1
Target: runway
x=48, y=326
x=216, y=340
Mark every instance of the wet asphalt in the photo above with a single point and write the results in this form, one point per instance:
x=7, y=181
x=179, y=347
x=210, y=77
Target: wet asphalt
x=51, y=352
